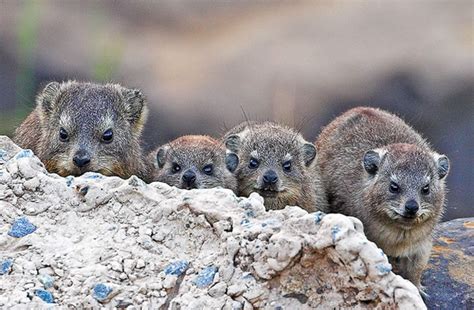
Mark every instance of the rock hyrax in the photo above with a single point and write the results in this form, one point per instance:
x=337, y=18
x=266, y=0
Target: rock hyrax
x=79, y=127
x=274, y=161
x=377, y=168
x=194, y=162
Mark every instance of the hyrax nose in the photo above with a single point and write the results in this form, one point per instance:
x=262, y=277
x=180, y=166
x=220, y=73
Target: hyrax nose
x=270, y=177
x=189, y=177
x=81, y=159
x=411, y=207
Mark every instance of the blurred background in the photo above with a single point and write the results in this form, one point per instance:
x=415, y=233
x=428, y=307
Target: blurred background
x=207, y=65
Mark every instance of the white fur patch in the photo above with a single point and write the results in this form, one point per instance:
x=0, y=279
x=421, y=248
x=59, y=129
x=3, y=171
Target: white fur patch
x=65, y=121
x=107, y=122
x=287, y=157
x=381, y=152
x=393, y=178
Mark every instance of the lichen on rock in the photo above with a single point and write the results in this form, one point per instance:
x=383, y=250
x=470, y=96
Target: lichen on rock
x=104, y=241
x=449, y=277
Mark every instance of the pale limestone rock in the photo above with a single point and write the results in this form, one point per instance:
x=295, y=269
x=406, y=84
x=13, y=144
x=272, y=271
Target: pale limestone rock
x=157, y=246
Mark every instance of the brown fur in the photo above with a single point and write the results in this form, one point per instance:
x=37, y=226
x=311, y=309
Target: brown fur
x=273, y=145
x=192, y=153
x=401, y=155
x=85, y=111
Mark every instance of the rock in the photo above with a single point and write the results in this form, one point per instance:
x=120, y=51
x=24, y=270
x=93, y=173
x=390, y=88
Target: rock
x=24, y=154
x=170, y=281
x=124, y=241
x=101, y=291
x=8, y=149
x=449, y=278
x=45, y=296
x=5, y=266
x=218, y=290
x=206, y=276
x=46, y=280
x=176, y=268
x=21, y=227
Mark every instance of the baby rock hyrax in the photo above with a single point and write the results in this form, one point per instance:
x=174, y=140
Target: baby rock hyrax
x=274, y=161
x=377, y=168
x=194, y=162
x=79, y=127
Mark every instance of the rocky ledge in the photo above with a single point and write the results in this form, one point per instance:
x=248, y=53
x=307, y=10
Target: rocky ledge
x=449, y=278
x=95, y=241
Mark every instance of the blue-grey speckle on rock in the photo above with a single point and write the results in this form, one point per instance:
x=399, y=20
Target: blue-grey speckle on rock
x=101, y=291
x=21, y=227
x=93, y=175
x=3, y=156
x=383, y=268
x=334, y=231
x=24, y=154
x=6, y=266
x=245, y=223
x=249, y=213
x=206, y=276
x=177, y=268
x=46, y=280
x=69, y=180
x=45, y=296
x=248, y=276
x=318, y=216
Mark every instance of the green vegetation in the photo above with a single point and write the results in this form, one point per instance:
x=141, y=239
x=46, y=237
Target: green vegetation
x=107, y=47
x=107, y=61
x=25, y=80
x=106, y=50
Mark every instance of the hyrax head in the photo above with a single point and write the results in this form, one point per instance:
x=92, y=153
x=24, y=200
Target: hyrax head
x=404, y=184
x=273, y=161
x=195, y=162
x=90, y=127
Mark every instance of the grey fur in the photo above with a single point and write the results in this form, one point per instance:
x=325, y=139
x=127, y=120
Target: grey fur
x=192, y=153
x=85, y=111
x=272, y=145
x=361, y=155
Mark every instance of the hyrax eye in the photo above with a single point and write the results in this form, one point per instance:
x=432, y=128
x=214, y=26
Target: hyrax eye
x=394, y=188
x=287, y=166
x=253, y=163
x=176, y=168
x=63, y=135
x=425, y=190
x=108, y=136
x=208, y=169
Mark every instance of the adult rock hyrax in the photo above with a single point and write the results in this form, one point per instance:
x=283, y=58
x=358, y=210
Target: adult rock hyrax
x=274, y=161
x=78, y=127
x=194, y=162
x=375, y=167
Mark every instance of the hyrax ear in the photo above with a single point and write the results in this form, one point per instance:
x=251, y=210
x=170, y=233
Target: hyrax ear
x=309, y=153
x=231, y=161
x=161, y=156
x=47, y=97
x=442, y=163
x=232, y=143
x=372, y=160
x=135, y=108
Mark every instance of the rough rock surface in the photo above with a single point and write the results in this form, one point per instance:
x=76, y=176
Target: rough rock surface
x=449, y=278
x=96, y=241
